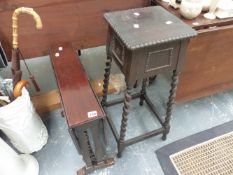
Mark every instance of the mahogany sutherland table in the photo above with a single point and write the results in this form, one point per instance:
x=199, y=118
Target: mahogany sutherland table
x=82, y=110
x=144, y=42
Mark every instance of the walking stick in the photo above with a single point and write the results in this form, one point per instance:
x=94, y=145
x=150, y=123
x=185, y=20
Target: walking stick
x=16, y=54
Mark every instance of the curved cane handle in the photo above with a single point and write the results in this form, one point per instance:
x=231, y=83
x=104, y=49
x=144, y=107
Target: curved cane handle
x=18, y=88
x=26, y=10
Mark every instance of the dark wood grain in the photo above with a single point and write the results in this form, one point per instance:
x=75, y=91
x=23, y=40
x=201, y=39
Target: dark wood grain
x=208, y=66
x=142, y=52
x=76, y=93
x=77, y=21
x=170, y=103
x=209, y=58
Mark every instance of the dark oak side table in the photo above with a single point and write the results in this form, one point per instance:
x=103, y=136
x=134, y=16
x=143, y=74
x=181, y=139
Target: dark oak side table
x=144, y=42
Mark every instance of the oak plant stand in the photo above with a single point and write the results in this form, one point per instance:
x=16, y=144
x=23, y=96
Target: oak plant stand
x=144, y=42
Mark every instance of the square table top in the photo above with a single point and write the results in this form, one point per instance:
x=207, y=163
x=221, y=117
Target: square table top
x=147, y=26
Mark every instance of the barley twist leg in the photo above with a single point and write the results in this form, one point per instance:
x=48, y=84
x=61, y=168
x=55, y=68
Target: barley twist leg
x=170, y=104
x=126, y=110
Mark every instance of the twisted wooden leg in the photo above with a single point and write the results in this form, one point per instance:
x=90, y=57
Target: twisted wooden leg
x=106, y=80
x=90, y=150
x=84, y=146
x=98, y=139
x=143, y=92
x=170, y=104
x=124, y=120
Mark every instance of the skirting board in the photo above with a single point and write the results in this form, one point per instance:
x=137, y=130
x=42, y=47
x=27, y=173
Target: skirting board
x=46, y=102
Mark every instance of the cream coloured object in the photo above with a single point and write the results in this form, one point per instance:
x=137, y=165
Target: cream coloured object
x=13, y=164
x=206, y=5
x=20, y=122
x=190, y=9
x=211, y=13
x=225, y=9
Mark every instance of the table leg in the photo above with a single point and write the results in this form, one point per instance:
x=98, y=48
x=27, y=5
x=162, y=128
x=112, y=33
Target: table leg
x=85, y=146
x=98, y=141
x=104, y=128
x=126, y=110
x=143, y=92
x=75, y=139
x=90, y=150
x=106, y=79
x=94, y=159
x=170, y=104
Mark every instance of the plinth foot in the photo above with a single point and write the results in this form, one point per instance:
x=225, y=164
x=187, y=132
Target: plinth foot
x=106, y=163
